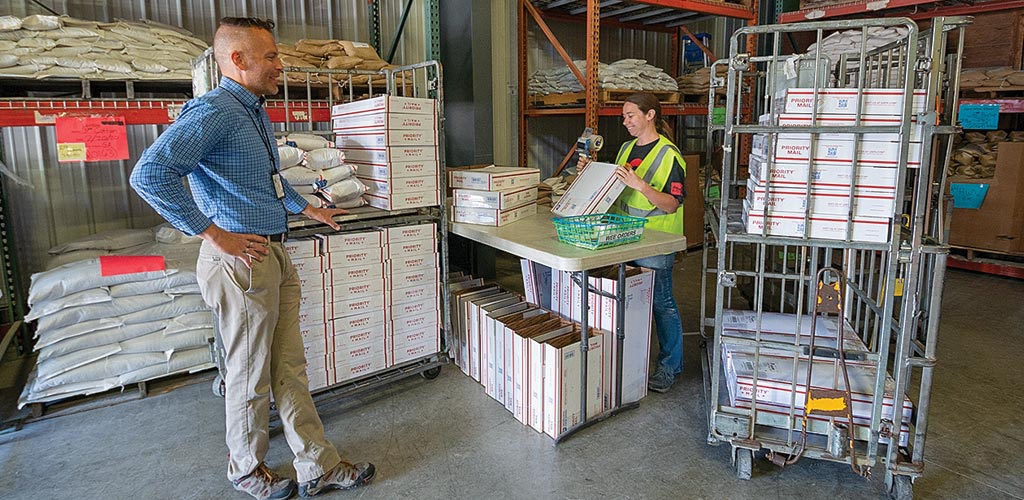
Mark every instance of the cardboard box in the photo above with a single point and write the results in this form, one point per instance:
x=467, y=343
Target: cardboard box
x=476, y=314
x=494, y=338
x=385, y=138
x=413, y=308
x=396, y=170
x=309, y=266
x=387, y=104
x=846, y=101
x=411, y=248
x=344, y=242
x=494, y=178
x=998, y=225
x=461, y=320
x=497, y=200
x=356, y=257
x=412, y=232
x=415, y=293
x=384, y=120
x=370, y=334
x=536, y=283
x=358, y=305
x=828, y=227
x=833, y=151
x=358, y=362
x=822, y=201
x=314, y=316
x=825, y=176
x=353, y=323
x=348, y=290
x=793, y=120
x=413, y=351
x=344, y=274
x=427, y=334
x=399, y=201
x=521, y=369
x=492, y=217
x=411, y=263
x=394, y=154
x=401, y=324
x=593, y=191
x=313, y=282
x=302, y=248
x=562, y=381
x=636, y=347
x=399, y=185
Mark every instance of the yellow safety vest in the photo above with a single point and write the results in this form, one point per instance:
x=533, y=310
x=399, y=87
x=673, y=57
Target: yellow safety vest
x=654, y=170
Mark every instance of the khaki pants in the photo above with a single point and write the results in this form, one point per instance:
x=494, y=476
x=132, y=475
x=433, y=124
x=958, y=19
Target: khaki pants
x=257, y=313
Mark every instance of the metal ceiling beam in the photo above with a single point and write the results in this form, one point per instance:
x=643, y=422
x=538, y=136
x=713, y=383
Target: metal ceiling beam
x=558, y=3
x=624, y=10
x=606, y=3
x=649, y=13
x=671, y=17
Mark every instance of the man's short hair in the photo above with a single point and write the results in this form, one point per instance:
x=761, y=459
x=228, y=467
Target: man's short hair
x=247, y=22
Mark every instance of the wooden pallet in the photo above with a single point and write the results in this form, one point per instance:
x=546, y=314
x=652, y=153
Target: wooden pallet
x=1008, y=264
x=614, y=96
x=566, y=99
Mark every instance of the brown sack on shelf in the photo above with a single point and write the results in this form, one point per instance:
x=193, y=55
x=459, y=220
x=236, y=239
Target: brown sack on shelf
x=343, y=62
x=285, y=49
x=372, y=65
x=316, y=50
x=360, y=49
x=288, y=60
x=1016, y=79
x=999, y=73
x=996, y=136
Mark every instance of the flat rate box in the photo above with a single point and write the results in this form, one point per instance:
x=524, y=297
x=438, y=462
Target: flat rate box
x=391, y=154
x=384, y=138
x=399, y=201
x=593, y=191
x=795, y=120
x=386, y=103
x=822, y=201
x=496, y=200
x=384, y=121
x=395, y=170
x=362, y=240
x=847, y=102
x=385, y=186
x=795, y=174
x=833, y=151
x=827, y=227
x=494, y=178
x=492, y=217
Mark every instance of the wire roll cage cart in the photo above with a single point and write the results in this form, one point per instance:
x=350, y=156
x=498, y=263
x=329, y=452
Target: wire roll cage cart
x=890, y=291
x=307, y=114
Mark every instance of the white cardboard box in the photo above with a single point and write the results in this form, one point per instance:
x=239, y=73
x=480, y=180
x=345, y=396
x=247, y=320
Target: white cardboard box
x=637, y=344
x=348, y=290
x=494, y=178
x=413, y=307
x=315, y=315
x=403, y=249
x=384, y=120
x=358, y=305
x=562, y=382
x=413, y=351
x=385, y=138
x=413, y=278
x=301, y=248
x=412, y=232
x=397, y=170
x=498, y=200
x=344, y=274
x=375, y=362
x=492, y=217
x=398, y=201
x=828, y=227
x=313, y=282
x=833, y=151
x=792, y=174
x=361, y=240
x=400, y=324
x=794, y=120
x=370, y=334
x=593, y=191
x=309, y=266
x=358, y=322
x=415, y=293
x=388, y=104
x=400, y=184
x=428, y=334
x=822, y=201
x=411, y=263
x=355, y=257
x=845, y=101
x=395, y=154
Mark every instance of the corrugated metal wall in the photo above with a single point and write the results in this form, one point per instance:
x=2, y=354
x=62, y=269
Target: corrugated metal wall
x=69, y=201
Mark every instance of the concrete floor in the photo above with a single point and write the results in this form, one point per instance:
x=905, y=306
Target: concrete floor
x=446, y=439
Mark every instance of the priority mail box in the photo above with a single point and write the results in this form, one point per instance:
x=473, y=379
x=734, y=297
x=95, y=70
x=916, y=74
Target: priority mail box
x=498, y=200
x=384, y=186
x=636, y=347
x=401, y=324
x=402, y=249
x=413, y=308
x=411, y=293
x=847, y=102
x=411, y=352
x=315, y=339
x=793, y=174
x=494, y=178
x=492, y=217
x=348, y=290
x=372, y=363
x=370, y=334
x=309, y=266
x=501, y=338
x=412, y=263
x=593, y=191
x=341, y=275
x=396, y=170
x=461, y=320
x=822, y=201
x=358, y=305
x=358, y=322
x=534, y=353
x=399, y=201
x=476, y=311
x=345, y=355
x=383, y=120
x=827, y=227
x=315, y=314
x=385, y=138
x=428, y=335
x=361, y=240
x=319, y=377
x=398, y=234
x=417, y=277
x=317, y=347
x=312, y=298
x=839, y=152
x=562, y=385
x=794, y=120
x=355, y=257
x=391, y=154
x=313, y=282
x=385, y=103
x=301, y=248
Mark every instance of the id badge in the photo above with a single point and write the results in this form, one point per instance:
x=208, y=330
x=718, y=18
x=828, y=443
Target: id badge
x=278, y=185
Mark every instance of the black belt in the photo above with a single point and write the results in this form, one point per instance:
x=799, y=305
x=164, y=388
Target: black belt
x=276, y=238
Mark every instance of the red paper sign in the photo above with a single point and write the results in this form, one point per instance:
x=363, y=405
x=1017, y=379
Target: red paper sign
x=91, y=138
x=112, y=265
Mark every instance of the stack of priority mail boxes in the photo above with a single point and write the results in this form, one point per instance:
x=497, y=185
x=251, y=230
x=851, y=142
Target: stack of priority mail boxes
x=493, y=195
x=369, y=300
x=527, y=356
x=392, y=141
x=777, y=377
x=778, y=195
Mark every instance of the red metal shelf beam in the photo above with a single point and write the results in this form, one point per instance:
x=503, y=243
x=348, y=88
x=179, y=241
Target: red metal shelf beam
x=616, y=110
x=706, y=7
x=35, y=112
x=987, y=266
x=848, y=9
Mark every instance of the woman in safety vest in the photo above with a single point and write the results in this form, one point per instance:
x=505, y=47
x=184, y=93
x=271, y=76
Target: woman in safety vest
x=653, y=170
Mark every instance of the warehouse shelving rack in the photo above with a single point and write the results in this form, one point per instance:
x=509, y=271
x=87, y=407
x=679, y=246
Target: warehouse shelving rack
x=890, y=291
x=666, y=16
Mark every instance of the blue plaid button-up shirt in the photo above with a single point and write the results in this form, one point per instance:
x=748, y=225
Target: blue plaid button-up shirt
x=216, y=142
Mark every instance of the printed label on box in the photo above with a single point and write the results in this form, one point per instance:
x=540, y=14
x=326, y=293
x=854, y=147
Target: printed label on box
x=349, y=258
x=386, y=103
x=384, y=120
x=399, y=185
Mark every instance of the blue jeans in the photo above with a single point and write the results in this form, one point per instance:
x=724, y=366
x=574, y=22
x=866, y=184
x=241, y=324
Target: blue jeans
x=666, y=313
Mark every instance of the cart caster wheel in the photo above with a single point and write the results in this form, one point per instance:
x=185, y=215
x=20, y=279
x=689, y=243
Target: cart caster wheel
x=218, y=387
x=432, y=373
x=743, y=462
x=902, y=488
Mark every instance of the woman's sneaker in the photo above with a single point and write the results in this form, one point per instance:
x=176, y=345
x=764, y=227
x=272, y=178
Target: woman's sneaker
x=343, y=476
x=264, y=484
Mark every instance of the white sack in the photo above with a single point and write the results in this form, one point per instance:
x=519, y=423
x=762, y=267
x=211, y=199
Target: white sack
x=158, y=285
x=40, y=23
x=324, y=158
x=10, y=23
x=345, y=190
x=85, y=297
x=289, y=156
x=116, y=307
x=309, y=142
x=336, y=174
x=78, y=276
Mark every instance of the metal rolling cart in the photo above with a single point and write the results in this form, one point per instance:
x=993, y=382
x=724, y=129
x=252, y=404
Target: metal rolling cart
x=306, y=112
x=882, y=296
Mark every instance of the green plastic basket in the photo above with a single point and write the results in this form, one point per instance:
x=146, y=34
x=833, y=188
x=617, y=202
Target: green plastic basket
x=599, y=230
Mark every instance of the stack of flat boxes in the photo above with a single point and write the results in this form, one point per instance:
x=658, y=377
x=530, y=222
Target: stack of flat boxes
x=412, y=284
x=317, y=339
x=781, y=190
x=494, y=196
x=392, y=141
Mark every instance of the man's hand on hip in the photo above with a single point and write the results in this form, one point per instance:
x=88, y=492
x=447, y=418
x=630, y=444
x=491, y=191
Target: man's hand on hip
x=325, y=215
x=248, y=247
